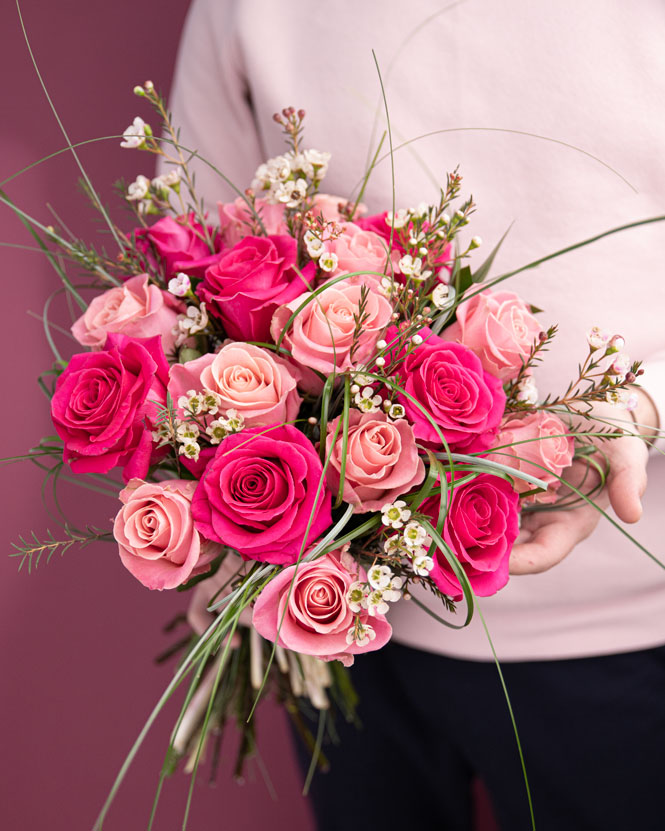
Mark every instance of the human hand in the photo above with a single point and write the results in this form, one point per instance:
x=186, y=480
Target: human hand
x=547, y=537
x=217, y=587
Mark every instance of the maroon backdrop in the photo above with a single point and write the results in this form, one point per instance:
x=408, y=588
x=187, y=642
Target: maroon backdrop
x=79, y=635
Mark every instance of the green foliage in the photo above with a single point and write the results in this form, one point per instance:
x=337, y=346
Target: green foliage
x=32, y=551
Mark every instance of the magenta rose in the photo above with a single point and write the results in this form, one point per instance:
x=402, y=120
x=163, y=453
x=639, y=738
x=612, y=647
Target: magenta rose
x=137, y=308
x=177, y=245
x=156, y=537
x=448, y=380
x=257, y=383
x=500, y=328
x=259, y=492
x=104, y=404
x=249, y=281
x=315, y=615
x=480, y=528
x=322, y=333
x=382, y=460
x=540, y=447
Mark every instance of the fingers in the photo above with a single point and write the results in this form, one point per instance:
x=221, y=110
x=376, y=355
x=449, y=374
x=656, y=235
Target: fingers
x=627, y=479
x=550, y=537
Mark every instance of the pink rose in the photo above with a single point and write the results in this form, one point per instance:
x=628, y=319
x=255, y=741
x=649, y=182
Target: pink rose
x=315, y=616
x=480, y=528
x=259, y=492
x=249, y=379
x=236, y=221
x=136, y=308
x=104, y=403
x=360, y=250
x=500, y=328
x=176, y=245
x=327, y=206
x=156, y=536
x=448, y=380
x=249, y=281
x=382, y=460
x=539, y=441
x=322, y=334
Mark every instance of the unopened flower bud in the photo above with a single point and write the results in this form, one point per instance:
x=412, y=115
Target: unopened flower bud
x=476, y=242
x=139, y=91
x=380, y=361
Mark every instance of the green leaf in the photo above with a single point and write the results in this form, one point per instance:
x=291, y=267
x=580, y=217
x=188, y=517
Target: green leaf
x=482, y=271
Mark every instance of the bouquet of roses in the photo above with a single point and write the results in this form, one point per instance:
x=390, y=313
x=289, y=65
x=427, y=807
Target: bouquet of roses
x=317, y=413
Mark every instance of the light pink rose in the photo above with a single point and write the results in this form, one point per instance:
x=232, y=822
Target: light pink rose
x=136, y=308
x=362, y=250
x=322, y=334
x=249, y=379
x=156, y=536
x=544, y=445
x=327, y=205
x=315, y=615
x=236, y=221
x=499, y=327
x=382, y=460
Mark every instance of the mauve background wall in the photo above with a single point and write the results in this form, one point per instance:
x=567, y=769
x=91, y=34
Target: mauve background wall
x=78, y=637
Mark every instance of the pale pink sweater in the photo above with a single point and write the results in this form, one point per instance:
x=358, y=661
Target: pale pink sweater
x=590, y=74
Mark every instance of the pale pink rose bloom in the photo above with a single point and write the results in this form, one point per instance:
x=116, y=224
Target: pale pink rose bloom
x=327, y=205
x=249, y=379
x=360, y=250
x=552, y=450
x=321, y=335
x=310, y=601
x=236, y=220
x=382, y=461
x=157, y=540
x=499, y=327
x=137, y=309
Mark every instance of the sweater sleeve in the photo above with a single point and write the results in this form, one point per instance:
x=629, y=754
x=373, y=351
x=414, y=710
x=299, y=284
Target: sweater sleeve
x=211, y=102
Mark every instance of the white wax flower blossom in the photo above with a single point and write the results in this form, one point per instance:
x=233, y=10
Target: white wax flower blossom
x=360, y=634
x=392, y=545
x=422, y=565
x=396, y=514
x=138, y=189
x=134, y=135
x=620, y=365
x=191, y=450
x=362, y=379
x=527, y=392
x=367, y=401
x=315, y=246
x=192, y=402
x=410, y=266
x=414, y=534
x=399, y=219
x=393, y=592
x=376, y=605
x=163, y=434
x=187, y=433
x=597, y=337
x=443, y=296
x=217, y=431
x=379, y=576
x=328, y=261
x=623, y=399
x=180, y=285
x=212, y=401
x=396, y=411
x=189, y=324
x=166, y=180
x=616, y=344
x=356, y=597
x=319, y=159
x=235, y=421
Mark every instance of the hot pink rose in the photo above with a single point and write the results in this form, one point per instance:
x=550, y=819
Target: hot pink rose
x=499, y=327
x=448, y=379
x=360, y=250
x=236, y=220
x=382, y=460
x=156, y=536
x=136, y=308
x=104, y=403
x=322, y=334
x=249, y=379
x=259, y=492
x=315, y=616
x=176, y=245
x=539, y=441
x=480, y=528
x=249, y=281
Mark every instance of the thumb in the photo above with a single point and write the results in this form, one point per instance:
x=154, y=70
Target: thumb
x=627, y=478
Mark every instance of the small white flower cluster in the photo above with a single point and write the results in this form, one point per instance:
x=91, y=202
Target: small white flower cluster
x=413, y=267
x=366, y=400
x=360, y=633
x=527, y=392
x=381, y=588
x=623, y=399
x=287, y=179
x=135, y=135
x=597, y=337
x=413, y=542
x=397, y=220
x=195, y=320
x=180, y=285
x=395, y=514
x=142, y=190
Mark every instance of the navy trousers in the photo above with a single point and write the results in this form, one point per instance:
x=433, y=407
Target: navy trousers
x=592, y=732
